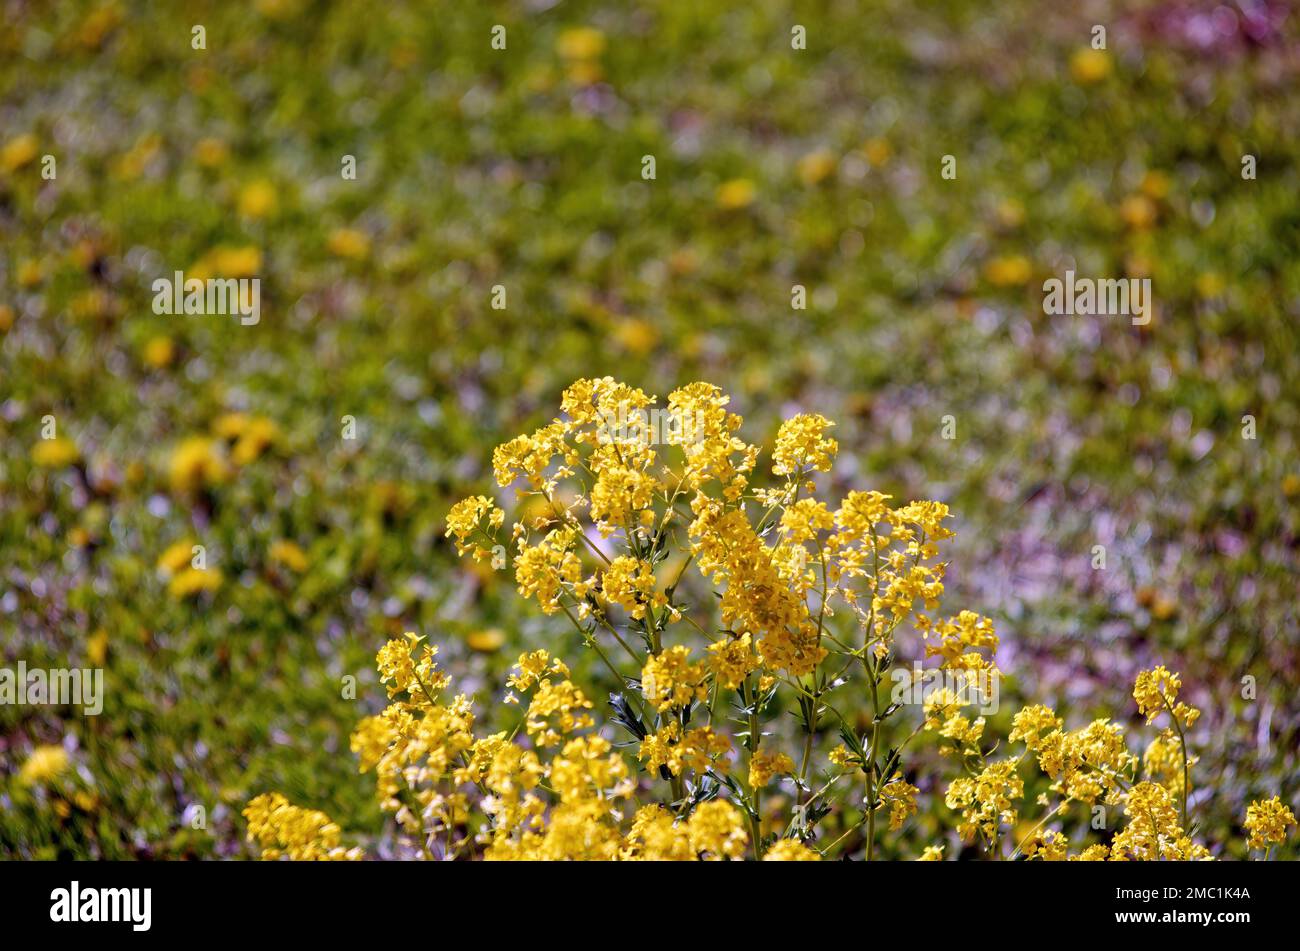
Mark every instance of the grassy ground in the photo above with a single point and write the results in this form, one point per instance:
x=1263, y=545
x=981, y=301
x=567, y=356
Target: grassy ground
x=522, y=168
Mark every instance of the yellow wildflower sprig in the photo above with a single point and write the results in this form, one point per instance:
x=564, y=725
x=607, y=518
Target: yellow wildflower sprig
x=695, y=584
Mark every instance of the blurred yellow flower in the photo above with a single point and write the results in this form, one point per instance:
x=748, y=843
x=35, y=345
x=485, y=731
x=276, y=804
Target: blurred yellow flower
x=196, y=464
x=159, y=352
x=1008, y=271
x=349, y=243
x=230, y=425
x=486, y=641
x=580, y=43
x=256, y=438
x=815, y=167
x=1291, y=485
x=176, y=557
x=1210, y=284
x=93, y=304
x=55, y=453
x=45, y=764
x=18, y=152
x=736, y=193
x=1010, y=214
x=136, y=159
x=1089, y=66
x=279, y=9
x=194, y=581
x=1155, y=185
x=877, y=151
x=97, y=648
x=289, y=555
x=245, y=261
x=257, y=199
x=790, y=850
x=6, y=317
x=30, y=273
x=638, y=336
x=210, y=153
x=1138, y=212
x=97, y=25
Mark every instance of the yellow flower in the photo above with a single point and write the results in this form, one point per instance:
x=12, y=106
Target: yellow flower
x=1089, y=66
x=1156, y=691
x=55, y=453
x=1138, y=211
x=97, y=647
x=1155, y=185
x=257, y=199
x=159, y=352
x=475, y=515
x=30, y=273
x=211, y=153
x=17, y=152
x=629, y=583
x=669, y=680
x=97, y=25
x=230, y=426
x=1209, y=285
x=877, y=151
x=190, y=582
x=985, y=801
x=766, y=765
x=1267, y=822
x=732, y=660
x=132, y=163
x=790, y=850
x=257, y=437
x=284, y=830
x=800, y=445
x=486, y=641
x=932, y=853
x=196, y=464
x=676, y=751
x=176, y=558
x=1154, y=831
x=637, y=336
x=716, y=830
x=1031, y=723
x=580, y=43
x=735, y=194
x=227, y=262
x=349, y=243
x=901, y=797
x=1010, y=271
x=287, y=553
x=1046, y=846
x=815, y=167
x=45, y=764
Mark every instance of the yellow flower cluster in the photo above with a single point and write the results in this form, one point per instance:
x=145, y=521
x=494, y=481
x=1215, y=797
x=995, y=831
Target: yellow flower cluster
x=1267, y=822
x=735, y=616
x=284, y=830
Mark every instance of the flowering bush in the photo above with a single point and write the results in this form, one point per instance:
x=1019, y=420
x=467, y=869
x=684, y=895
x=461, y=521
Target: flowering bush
x=801, y=610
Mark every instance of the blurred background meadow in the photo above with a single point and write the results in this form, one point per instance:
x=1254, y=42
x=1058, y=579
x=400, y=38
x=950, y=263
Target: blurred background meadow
x=522, y=168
